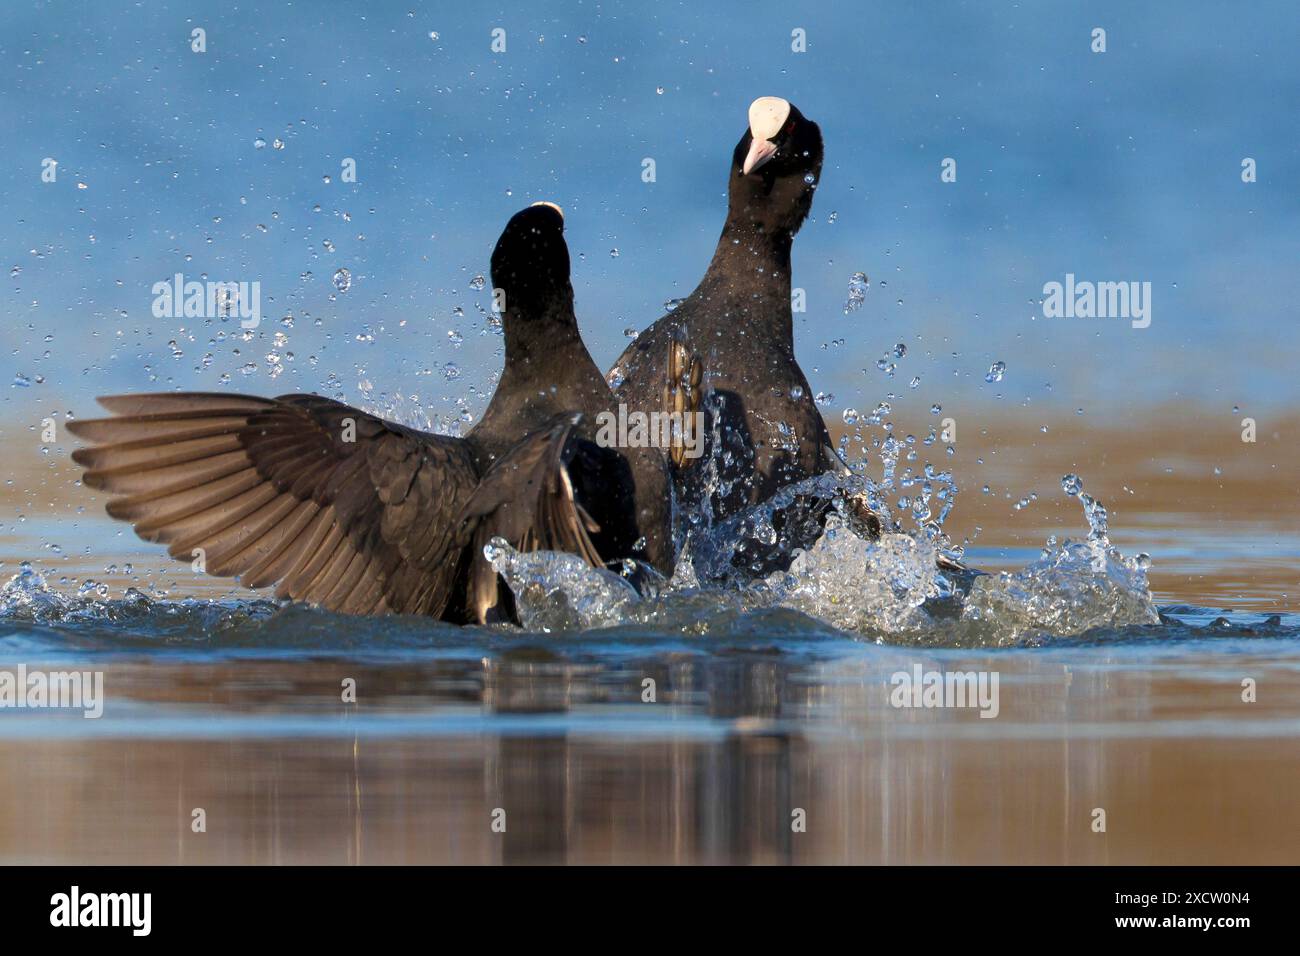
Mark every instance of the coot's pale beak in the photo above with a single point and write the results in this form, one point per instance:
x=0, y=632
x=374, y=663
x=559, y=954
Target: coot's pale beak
x=760, y=151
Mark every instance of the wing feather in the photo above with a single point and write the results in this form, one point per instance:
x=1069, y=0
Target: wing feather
x=330, y=504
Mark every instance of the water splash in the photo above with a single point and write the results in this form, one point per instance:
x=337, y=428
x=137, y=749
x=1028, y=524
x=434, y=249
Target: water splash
x=900, y=587
x=561, y=592
x=860, y=585
x=27, y=596
x=26, y=599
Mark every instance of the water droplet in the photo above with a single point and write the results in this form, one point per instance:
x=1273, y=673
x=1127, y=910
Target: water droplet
x=858, y=286
x=478, y=283
x=996, y=371
x=343, y=280
x=1072, y=484
x=496, y=550
x=259, y=143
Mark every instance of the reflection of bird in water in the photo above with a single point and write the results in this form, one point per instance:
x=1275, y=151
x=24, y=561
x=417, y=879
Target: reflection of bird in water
x=564, y=796
x=528, y=777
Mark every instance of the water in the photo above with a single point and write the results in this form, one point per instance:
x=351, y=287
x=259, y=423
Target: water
x=235, y=707
x=693, y=722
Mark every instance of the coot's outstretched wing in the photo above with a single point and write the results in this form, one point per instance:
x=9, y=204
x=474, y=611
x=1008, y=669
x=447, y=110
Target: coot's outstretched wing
x=340, y=508
x=528, y=499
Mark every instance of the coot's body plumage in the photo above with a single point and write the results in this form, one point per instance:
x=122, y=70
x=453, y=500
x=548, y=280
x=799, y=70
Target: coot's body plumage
x=344, y=510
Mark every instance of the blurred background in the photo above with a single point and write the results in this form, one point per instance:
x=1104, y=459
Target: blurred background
x=1117, y=166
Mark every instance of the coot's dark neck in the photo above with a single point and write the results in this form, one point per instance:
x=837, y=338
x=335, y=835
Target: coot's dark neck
x=750, y=272
x=548, y=370
x=536, y=334
x=746, y=244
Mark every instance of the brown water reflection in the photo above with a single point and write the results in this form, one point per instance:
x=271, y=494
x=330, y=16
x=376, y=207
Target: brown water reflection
x=711, y=773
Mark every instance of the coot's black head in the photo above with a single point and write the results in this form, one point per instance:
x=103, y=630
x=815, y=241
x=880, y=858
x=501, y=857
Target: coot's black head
x=530, y=263
x=776, y=165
